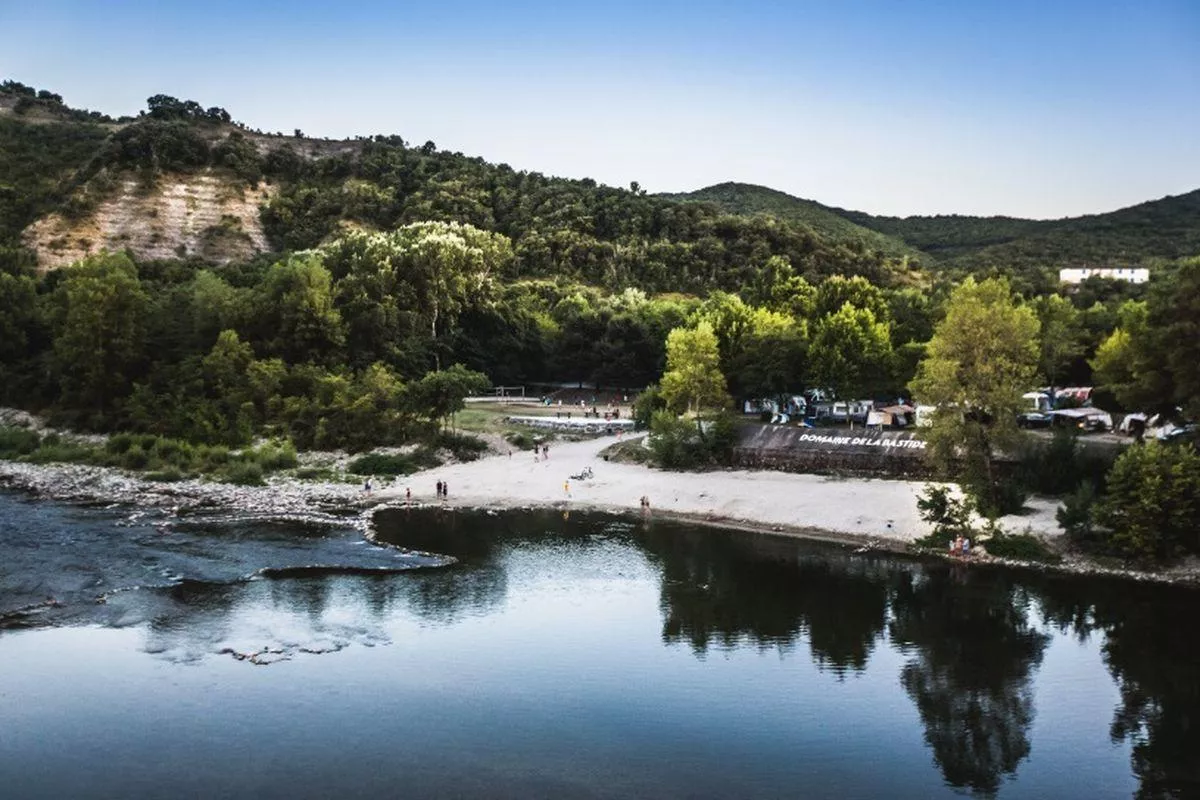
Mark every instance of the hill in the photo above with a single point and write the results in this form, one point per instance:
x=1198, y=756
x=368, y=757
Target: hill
x=744, y=198
x=181, y=180
x=1160, y=229
x=1168, y=228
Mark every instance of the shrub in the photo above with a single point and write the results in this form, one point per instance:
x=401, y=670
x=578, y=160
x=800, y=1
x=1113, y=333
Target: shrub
x=1152, y=508
x=18, y=442
x=275, y=455
x=680, y=443
x=949, y=515
x=519, y=440
x=1022, y=546
x=166, y=475
x=1076, y=514
x=135, y=458
x=118, y=443
x=60, y=452
x=1059, y=466
x=464, y=448
x=244, y=473
x=315, y=474
x=400, y=464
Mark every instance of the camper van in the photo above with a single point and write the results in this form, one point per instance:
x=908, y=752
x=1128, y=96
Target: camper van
x=1038, y=406
x=851, y=410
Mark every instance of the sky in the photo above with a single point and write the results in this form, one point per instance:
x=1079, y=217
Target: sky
x=1032, y=109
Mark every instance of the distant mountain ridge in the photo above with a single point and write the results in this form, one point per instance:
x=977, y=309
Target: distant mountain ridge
x=1167, y=228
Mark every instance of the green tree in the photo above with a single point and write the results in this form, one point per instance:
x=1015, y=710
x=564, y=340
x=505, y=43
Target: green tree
x=1151, y=509
x=693, y=381
x=838, y=290
x=851, y=352
x=18, y=316
x=1061, y=339
x=98, y=312
x=981, y=359
x=297, y=308
x=441, y=394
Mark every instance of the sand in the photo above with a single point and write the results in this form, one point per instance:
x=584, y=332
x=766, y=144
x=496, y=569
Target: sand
x=872, y=511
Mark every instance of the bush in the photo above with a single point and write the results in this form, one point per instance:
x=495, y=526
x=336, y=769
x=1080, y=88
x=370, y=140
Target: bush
x=519, y=440
x=1152, y=508
x=315, y=474
x=18, y=442
x=118, y=443
x=1021, y=546
x=400, y=464
x=1076, y=515
x=679, y=443
x=1059, y=466
x=244, y=473
x=949, y=515
x=59, y=452
x=165, y=475
x=135, y=458
x=464, y=448
x=275, y=455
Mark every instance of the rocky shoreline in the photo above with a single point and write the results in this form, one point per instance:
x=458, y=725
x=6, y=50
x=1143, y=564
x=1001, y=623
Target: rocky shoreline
x=345, y=505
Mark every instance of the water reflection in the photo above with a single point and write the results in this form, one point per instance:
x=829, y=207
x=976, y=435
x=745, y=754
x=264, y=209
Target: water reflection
x=1152, y=653
x=974, y=653
x=729, y=589
x=965, y=644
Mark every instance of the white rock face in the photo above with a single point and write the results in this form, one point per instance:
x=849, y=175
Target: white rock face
x=204, y=214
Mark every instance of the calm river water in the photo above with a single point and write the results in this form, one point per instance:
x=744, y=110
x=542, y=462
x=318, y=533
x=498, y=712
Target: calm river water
x=580, y=656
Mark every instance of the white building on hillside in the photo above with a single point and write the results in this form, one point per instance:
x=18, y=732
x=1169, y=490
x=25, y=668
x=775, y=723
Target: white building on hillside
x=1078, y=275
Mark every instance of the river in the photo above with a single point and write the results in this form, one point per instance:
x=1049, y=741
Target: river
x=580, y=655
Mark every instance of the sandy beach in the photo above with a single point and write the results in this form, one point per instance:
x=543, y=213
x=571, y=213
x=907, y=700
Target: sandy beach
x=811, y=505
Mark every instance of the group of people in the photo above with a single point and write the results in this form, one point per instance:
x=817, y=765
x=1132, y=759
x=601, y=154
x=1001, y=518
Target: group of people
x=541, y=451
x=961, y=546
x=442, y=490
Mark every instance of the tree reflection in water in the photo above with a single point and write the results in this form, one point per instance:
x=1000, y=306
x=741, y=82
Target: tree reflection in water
x=970, y=677
x=727, y=589
x=1152, y=652
x=974, y=651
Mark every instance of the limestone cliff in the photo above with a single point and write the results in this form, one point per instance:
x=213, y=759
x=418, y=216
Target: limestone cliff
x=204, y=214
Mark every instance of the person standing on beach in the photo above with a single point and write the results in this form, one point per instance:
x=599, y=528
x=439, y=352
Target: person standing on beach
x=407, y=495
x=439, y=490
x=567, y=488
x=445, y=491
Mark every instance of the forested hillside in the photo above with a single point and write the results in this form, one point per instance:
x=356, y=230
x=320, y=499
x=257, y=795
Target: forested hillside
x=741, y=198
x=219, y=283
x=575, y=229
x=1161, y=229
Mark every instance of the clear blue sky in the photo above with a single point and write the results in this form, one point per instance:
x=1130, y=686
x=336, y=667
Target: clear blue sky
x=1036, y=109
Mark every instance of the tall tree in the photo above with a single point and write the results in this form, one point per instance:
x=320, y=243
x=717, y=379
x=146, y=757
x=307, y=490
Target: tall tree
x=982, y=358
x=851, y=352
x=1061, y=339
x=693, y=381
x=298, y=308
x=98, y=312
